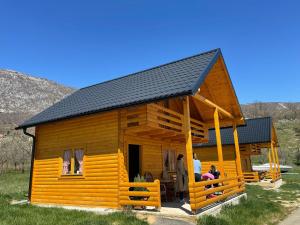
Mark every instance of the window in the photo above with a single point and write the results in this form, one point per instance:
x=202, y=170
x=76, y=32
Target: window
x=67, y=162
x=169, y=160
x=72, y=162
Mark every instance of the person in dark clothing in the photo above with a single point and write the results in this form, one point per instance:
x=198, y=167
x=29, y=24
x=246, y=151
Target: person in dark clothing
x=215, y=172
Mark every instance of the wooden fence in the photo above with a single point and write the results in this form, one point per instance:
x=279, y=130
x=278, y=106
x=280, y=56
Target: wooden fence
x=251, y=176
x=204, y=193
x=137, y=193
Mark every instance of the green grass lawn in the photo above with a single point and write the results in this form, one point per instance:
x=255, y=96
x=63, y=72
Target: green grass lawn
x=15, y=186
x=262, y=206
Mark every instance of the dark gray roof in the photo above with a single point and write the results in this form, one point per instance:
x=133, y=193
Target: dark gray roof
x=256, y=130
x=178, y=78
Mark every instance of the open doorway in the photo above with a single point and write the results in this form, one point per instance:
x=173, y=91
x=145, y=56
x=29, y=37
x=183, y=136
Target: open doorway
x=134, y=161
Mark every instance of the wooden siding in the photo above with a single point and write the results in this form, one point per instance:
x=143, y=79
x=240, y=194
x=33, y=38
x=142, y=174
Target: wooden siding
x=98, y=136
x=152, y=157
x=209, y=156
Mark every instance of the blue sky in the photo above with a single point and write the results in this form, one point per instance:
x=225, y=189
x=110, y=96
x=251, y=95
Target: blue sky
x=79, y=43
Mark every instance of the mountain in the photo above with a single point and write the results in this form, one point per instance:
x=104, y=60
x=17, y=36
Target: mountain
x=23, y=95
x=278, y=110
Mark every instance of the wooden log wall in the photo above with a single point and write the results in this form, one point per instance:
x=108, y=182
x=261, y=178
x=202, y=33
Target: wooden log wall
x=98, y=186
x=209, y=156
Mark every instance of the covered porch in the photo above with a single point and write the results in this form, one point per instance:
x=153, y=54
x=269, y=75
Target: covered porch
x=270, y=171
x=159, y=131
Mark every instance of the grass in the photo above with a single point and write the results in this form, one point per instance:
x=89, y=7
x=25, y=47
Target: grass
x=15, y=186
x=262, y=206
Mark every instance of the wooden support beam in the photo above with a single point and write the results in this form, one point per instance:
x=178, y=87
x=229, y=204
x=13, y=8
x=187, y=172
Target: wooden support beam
x=213, y=105
x=274, y=159
x=277, y=159
x=237, y=150
x=219, y=143
x=271, y=164
x=188, y=139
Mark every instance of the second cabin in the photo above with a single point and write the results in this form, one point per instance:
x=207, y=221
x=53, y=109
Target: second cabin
x=89, y=148
x=255, y=137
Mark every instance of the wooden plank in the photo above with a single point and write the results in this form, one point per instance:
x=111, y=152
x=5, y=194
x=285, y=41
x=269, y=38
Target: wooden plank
x=213, y=105
x=237, y=150
x=219, y=143
x=188, y=139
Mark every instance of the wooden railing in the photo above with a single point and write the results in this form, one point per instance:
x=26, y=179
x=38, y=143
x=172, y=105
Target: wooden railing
x=251, y=176
x=156, y=116
x=162, y=117
x=137, y=193
x=140, y=194
x=198, y=129
x=204, y=193
x=274, y=175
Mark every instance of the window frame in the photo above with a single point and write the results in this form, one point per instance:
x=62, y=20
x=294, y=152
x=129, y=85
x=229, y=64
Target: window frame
x=72, y=175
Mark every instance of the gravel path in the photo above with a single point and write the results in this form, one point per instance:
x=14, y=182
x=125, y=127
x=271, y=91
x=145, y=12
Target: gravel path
x=167, y=221
x=292, y=219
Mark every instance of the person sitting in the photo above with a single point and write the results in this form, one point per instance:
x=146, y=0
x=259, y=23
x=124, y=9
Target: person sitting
x=216, y=173
x=197, y=168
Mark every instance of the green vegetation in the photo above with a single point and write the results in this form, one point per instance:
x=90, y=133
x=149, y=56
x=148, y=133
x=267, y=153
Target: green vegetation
x=262, y=206
x=14, y=186
x=288, y=133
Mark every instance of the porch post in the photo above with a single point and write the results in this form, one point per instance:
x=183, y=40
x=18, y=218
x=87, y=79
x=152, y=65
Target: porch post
x=189, y=151
x=219, y=142
x=188, y=139
x=274, y=160
x=237, y=150
x=277, y=159
x=271, y=164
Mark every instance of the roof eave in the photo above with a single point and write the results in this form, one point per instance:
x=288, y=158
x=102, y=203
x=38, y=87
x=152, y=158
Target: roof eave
x=185, y=93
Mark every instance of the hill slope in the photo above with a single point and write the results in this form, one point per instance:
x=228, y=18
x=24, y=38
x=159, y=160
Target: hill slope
x=278, y=110
x=23, y=95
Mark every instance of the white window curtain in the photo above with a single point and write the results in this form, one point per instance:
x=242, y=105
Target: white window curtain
x=79, y=157
x=66, y=162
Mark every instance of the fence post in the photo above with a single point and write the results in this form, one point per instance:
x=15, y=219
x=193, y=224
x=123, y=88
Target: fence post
x=158, y=191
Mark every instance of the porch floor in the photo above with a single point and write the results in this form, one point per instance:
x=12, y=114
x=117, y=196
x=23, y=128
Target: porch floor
x=183, y=210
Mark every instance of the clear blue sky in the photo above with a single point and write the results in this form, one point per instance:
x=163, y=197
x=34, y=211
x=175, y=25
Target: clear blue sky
x=78, y=43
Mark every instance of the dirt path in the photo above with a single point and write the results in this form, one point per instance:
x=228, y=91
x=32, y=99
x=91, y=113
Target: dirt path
x=292, y=219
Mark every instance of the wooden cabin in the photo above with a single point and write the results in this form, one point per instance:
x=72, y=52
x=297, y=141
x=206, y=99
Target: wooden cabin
x=89, y=146
x=258, y=134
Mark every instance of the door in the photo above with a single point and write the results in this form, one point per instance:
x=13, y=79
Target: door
x=134, y=161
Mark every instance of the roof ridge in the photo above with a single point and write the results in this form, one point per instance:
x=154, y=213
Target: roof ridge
x=155, y=67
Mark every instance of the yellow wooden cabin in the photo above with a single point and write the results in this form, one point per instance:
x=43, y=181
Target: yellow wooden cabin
x=256, y=136
x=89, y=147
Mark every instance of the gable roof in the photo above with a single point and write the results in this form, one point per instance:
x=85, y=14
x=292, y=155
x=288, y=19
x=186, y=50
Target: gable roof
x=178, y=78
x=258, y=130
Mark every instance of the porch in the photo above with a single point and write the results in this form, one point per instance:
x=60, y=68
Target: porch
x=269, y=171
x=153, y=123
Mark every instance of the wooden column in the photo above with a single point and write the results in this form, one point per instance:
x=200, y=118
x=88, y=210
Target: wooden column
x=277, y=159
x=237, y=150
x=219, y=143
x=274, y=161
x=188, y=139
x=271, y=165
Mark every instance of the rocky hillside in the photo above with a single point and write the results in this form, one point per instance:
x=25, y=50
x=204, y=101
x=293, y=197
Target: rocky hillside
x=278, y=110
x=23, y=95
